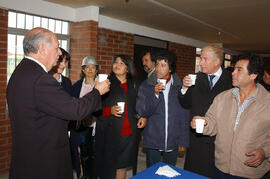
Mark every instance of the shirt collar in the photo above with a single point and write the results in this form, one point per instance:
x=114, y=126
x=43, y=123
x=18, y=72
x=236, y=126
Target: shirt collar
x=60, y=79
x=40, y=64
x=151, y=72
x=84, y=84
x=218, y=73
x=236, y=93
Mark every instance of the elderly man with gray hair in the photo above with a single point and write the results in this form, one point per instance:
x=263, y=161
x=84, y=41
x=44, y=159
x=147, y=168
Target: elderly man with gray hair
x=211, y=81
x=39, y=109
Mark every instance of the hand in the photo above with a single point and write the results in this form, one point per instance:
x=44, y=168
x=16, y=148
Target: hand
x=158, y=88
x=181, y=149
x=187, y=82
x=116, y=111
x=141, y=122
x=103, y=87
x=193, y=123
x=257, y=159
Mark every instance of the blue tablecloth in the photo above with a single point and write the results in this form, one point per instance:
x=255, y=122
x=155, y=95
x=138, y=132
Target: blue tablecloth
x=150, y=173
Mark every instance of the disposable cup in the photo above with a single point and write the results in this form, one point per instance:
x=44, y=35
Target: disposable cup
x=122, y=105
x=102, y=77
x=193, y=78
x=199, y=125
x=162, y=81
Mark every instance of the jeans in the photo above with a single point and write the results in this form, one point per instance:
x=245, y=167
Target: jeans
x=220, y=175
x=154, y=156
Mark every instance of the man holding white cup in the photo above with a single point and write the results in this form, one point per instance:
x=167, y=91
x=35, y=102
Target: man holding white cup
x=239, y=118
x=166, y=131
x=198, y=98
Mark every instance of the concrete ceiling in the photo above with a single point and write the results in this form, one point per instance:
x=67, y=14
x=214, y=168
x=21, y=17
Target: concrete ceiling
x=240, y=25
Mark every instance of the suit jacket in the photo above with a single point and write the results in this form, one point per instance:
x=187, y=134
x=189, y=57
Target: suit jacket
x=39, y=109
x=198, y=98
x=153, y=108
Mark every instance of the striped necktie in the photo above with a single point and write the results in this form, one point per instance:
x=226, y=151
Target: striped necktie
x=211, y=81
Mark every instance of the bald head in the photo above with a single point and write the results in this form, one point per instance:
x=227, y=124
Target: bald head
x=42, y=45
x=34, y=38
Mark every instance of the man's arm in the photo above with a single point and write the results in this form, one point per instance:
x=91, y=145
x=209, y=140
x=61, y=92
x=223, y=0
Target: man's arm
x=258, y=155
x=185, y=97
x=210, y=124
x=210, y=127
x=51, y=99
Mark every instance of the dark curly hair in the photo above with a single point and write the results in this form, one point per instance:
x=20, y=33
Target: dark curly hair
x=169, y=57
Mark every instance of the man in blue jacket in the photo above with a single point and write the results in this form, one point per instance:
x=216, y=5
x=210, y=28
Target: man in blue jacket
x=167, y=129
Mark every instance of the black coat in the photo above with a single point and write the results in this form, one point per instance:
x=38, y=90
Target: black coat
x=109, y=128
x=200, y=156
x=66, y=84
x=39, y=109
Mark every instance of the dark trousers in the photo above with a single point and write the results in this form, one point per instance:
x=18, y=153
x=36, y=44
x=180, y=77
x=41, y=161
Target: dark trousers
x=154, y=156
x=88, y=155
x=220, y=175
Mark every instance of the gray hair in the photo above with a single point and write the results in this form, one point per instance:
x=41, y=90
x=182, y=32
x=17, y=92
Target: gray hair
x=218, y=52
x=34, y=38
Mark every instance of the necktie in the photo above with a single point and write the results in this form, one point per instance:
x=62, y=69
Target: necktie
x=211, y=81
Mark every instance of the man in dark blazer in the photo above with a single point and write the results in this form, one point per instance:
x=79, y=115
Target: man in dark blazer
x=200, y=155
x=39, y=109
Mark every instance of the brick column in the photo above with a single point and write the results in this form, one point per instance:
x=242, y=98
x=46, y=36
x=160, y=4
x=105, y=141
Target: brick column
x=5, y=130
x=185, y=58
x=83, y=42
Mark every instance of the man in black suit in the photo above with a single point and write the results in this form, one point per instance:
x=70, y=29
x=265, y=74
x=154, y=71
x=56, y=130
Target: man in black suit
x=211, y=81
x=39, y=109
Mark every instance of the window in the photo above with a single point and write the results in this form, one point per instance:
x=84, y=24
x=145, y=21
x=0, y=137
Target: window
x=197, y=63
x=19, y=24
x=227, y=60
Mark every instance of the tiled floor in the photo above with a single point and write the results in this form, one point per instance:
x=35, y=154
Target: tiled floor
x=4, y=176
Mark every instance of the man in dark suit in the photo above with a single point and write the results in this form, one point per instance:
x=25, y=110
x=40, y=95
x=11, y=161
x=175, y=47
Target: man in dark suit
x=211, y=81
x=39, y=109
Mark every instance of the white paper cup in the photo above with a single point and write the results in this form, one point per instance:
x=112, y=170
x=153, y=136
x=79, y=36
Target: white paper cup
x=162, y=81
x=122, y=105
x=199, y=125
x=193, y=78
x=102, y=77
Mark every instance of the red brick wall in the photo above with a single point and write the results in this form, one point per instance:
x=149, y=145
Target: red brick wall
x=185, y=58
x=5, y=130
x=111, y=43
x=83, y=42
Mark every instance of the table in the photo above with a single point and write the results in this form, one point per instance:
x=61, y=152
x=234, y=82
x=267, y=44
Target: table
x=150, y=173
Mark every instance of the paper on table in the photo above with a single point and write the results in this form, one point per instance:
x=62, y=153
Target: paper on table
x=167, y=171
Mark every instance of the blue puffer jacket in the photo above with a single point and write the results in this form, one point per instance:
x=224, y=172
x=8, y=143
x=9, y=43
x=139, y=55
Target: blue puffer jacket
x=153, y=108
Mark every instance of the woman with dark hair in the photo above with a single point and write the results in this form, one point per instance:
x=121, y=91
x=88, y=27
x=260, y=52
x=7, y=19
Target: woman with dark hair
x=116, y=130
x=56, y=71
x=83, y=132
